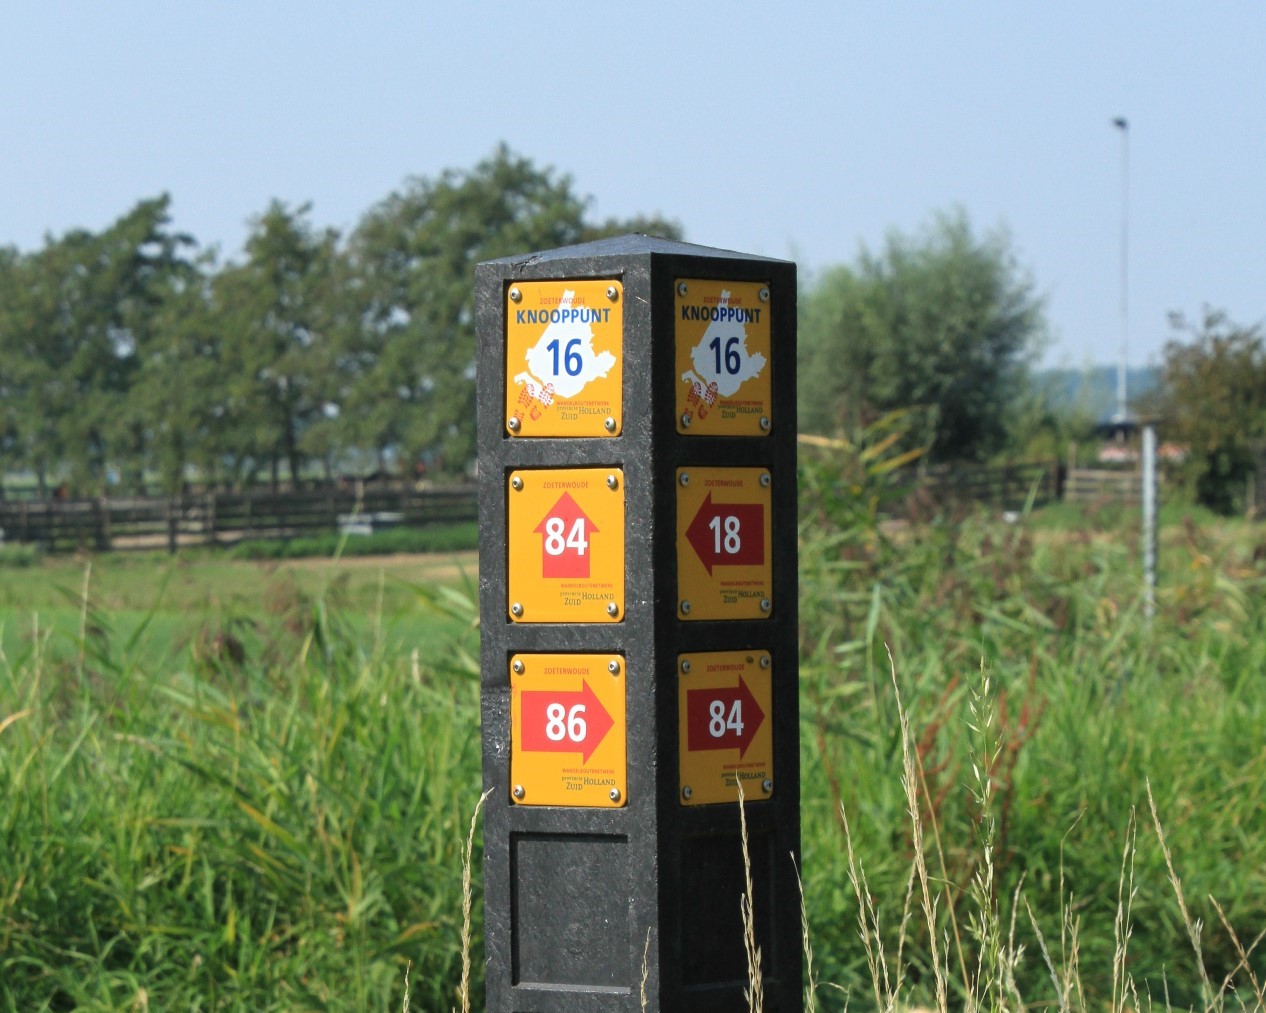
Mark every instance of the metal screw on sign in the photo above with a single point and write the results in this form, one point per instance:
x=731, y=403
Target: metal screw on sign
x=685, y=478
x=518, y=791
x=609, y=424
x=613, y=609
x=513, y=424
x=516, y=483
x=682, y=288
x=613, y=667
x=685, y=662
x=765, y=605
x=764, y=423
x=613, y=293
x=687, y=792
x=764, y=295
x=764, y=661
x=612, y=482
x=614, y=795
x=515, y=295
x=764, y=480
x=516, y=610
x=518, y=668
x=685, y=608
x=685, y=421
x=767, y=786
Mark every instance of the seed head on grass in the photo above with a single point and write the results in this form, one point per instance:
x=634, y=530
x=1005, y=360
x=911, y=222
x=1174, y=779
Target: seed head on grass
x=755, y=991
x=463, y=991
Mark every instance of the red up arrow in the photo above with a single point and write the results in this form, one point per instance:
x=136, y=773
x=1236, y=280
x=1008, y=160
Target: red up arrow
x=559, y=722
x=728, y=534
x=722, y=718
x=565, y=545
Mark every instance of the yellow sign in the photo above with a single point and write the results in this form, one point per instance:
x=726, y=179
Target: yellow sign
x=724, y=531
x=723, y=358
x=725, y=726
x=563, y=358
x=567, y=730
x=566, y=545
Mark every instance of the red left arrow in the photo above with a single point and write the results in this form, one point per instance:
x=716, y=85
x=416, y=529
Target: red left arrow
x=727, y=718
x=728, y=534
x=564, y=722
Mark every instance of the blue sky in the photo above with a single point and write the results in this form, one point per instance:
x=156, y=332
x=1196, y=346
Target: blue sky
x=797, y=129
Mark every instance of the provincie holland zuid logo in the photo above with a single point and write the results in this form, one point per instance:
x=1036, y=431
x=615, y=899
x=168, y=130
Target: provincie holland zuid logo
x=563, y=358
x=723, y=350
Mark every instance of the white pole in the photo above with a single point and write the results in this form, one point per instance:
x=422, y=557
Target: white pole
x=1122, y=124
x=1149, y=520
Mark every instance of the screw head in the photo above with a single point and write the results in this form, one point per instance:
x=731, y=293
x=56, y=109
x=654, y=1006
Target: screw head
x=613, y=609
x=765, y=605
x=765, y=480
x=516, y=610
x=687, y=792
x=613, y=293
x=518, y=667
x=682, y=288
x=515, y=295
x=513, y=424
x=613, y=667
x=767, y=786
x=685, y=666
x=686, y=420
x=764, y=295
x=685, y=608
x=764, y=423
x=612, y=482
x=684, y=478
x=614, y=795
x=764, y=661
x=516, y=483
x=518, y=791
x=609, y=424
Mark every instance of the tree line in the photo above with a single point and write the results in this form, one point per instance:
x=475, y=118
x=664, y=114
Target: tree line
x=133, y=354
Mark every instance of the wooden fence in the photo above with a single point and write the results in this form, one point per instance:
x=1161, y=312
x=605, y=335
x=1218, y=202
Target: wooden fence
x=220, y=518
x=1004, y=487
x=1086, y=485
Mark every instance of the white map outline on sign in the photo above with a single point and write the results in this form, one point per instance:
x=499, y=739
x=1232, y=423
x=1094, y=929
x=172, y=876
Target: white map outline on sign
x=540, y=359
x=705, y=358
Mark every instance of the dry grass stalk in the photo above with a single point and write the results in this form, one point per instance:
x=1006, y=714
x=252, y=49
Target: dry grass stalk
x=909, y=781
x=868, y=924
x=811, y=986
x=1192, y=925
x=404, y=1006
x=755, y=991
x=646, y=970
x=1122, y=983
x=463, y=992
x=1242, y=954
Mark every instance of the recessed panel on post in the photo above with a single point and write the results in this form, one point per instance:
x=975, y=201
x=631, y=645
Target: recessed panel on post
x=568, y=730
x=566, y=545
x=724, y=567
x=722, y=333
x=564, y=352
x=725, y=726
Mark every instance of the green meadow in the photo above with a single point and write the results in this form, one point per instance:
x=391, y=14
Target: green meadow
x=237, y=785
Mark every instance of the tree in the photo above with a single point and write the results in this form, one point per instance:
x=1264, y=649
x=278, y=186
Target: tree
x=941, y=320
x=1214, y=402
x=409, y=353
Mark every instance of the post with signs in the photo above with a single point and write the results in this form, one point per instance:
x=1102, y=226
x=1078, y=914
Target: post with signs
x=637, y=446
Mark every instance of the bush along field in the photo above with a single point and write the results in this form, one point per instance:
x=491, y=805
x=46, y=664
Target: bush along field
x=268, y=809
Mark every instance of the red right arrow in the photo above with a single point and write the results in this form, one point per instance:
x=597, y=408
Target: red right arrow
x=564, y=722
x=722, y=718
x=728, y=534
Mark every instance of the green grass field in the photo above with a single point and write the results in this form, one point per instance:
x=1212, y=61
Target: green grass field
x=233, y=785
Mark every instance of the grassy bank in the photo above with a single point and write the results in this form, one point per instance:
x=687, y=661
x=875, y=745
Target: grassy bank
x=213, y=802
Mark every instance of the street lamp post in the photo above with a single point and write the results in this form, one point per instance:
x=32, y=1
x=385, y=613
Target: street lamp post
x=1122, y=124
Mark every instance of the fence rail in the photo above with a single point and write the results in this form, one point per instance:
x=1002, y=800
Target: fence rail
x=220, y=518
x=1085, y=485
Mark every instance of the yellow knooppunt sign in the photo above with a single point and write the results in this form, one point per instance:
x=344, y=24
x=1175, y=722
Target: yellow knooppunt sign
x=568, y=730
x=723, y=358
x=724, y=528
x=725, y=726
x=564, y=347
x=566, y=545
